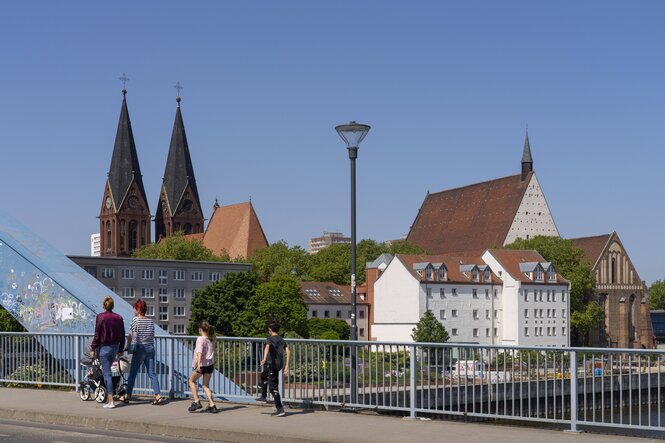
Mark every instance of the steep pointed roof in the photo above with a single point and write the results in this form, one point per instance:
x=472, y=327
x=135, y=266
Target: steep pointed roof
x=179, y=172
x=526, y=154
x=236, y=230
x=592, y=246
x=125, y=166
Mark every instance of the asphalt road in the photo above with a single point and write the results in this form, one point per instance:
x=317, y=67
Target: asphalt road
x=16, y=431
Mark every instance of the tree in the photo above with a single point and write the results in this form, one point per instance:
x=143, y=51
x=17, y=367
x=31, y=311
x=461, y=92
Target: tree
x=178, y=247
x=279, y=259
x=657, y=295
x=318, y=327
x=429, y=330
x=584, y=321
x=280, y=299
x=222, y=302
x=8, y=323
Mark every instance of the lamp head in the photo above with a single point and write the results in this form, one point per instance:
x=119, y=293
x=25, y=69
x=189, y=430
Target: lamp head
x=352, y=133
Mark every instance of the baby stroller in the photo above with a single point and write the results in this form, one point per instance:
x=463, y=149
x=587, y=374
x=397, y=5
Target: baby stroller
x=93, y=385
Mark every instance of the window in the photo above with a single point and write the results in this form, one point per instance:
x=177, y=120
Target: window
x=108, y=273
x=474, y=275
x=442, y=274
x=563, y=330
x=178, y=329
x=475, y=293
x=535, y=331
x=163, y=313
x=442, y=314
x=429, y=292
x=526, y=332
x=540, y=295
x=487, y=314
x=147, y=293
x=149, y=311
x=548, y=331
x=454, y=332
x=526, y=313
x=487, y=275
x=428, y=273
x=540, y=313
x=554, y=331
x=163, y=295
x=315, y=313
x=563, y=296
x=179, y=275
x=487, y=332
x=549, y=298
x=496, y=313
x=540, y=331
x=361, y=313
x=348, y=314
x=178, y=311
x=197, y=276
x=362, y=332
x=127, y=274
x=535, y=313
x=539, y=274
x=563, y=313
x=92, y=270
x=148, y=274
x=163, y=277
x=496, y=332
x=179, y=293
x=526, y=295
x=548, y=313
x=487, y=294
x=454, y=291
x=215, y=276
x=553, y=313
x=551, y=275
x=475, y=314
x=553, y=295
x=496, y=293
x=454, y=312
x=128, y=292
x=326, y=314
x=475, y=332
x=442, y=293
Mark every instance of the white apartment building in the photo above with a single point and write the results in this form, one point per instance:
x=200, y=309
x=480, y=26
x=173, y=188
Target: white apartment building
x=471, y=297
x=95, y=245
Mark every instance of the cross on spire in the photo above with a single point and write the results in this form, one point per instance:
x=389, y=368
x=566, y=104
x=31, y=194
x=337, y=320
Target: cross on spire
x=124, y=79
x=178, y=88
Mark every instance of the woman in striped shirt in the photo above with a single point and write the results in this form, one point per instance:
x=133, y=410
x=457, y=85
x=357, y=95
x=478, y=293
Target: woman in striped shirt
x=142, y=333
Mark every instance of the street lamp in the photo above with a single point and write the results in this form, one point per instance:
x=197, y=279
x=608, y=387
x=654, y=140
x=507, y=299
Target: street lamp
x=352, y=134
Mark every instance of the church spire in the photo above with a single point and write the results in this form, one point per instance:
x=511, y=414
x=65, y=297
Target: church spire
x=527, y=160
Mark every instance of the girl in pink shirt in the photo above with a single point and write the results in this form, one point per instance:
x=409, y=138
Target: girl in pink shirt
x=202, y=366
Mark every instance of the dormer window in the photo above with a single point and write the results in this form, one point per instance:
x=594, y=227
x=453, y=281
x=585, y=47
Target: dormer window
x=474, y=275
x=442, y=274
x=551, y=274
x=487, y=275
x=428, y=273
x=539, y=274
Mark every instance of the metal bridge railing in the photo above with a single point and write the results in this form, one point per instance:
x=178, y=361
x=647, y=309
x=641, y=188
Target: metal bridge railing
x=574, y=386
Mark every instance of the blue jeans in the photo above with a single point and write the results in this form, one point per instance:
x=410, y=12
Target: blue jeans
x=144, y=354
x=107, y=354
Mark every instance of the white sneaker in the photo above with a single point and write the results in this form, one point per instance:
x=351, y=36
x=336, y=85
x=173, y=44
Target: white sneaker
x=109, y=406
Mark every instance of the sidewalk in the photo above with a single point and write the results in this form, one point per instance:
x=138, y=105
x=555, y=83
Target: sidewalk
x=242, y=423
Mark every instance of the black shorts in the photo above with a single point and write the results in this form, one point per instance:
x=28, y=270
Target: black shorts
x=206, y=369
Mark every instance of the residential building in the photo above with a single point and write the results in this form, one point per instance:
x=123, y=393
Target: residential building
x=484, y=215
x=314, y=245
x=620, y=292
x=167, y=286
x=330, y=300
x=95, y=246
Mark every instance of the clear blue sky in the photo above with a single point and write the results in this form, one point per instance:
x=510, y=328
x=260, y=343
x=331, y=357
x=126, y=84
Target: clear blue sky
x=448, y=88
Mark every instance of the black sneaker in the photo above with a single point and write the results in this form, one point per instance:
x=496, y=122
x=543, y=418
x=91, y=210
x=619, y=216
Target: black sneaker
x=195, y=406
x=211, y=409
x=279, y=413
x=261, y=400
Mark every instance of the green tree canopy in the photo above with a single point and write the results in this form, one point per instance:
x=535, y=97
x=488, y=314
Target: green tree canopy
x=318, y=327
x=8, y=323
x=280, y=299
x=222, y=302
x=657, y=295
x=429, y=330
x=178, y=247
x=279, y=259
x=584, y=321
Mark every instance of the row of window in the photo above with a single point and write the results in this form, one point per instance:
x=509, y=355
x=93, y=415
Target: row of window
x=538, y=313
x=149, y=274
x=538, y=295
x=338, y=314
x=476, y=316
x=178, y=293
x=538, y=331
x=454, y=332
x=453, y=292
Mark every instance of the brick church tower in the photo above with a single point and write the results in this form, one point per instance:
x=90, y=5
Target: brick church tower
x=179, y=207
x=124, y=218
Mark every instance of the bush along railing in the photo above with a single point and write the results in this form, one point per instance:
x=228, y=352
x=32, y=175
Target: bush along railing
x=574, y=386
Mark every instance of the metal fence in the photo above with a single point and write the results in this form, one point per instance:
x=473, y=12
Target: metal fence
x=602, y=387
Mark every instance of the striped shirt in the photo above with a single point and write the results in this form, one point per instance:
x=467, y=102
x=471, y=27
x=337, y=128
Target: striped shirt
x=143, y=331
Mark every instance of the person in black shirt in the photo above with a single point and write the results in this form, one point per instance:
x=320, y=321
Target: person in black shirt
x=276, y=356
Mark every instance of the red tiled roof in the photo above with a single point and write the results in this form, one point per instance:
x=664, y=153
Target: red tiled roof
x=325, y=291
x=452, y=264
x=471, y=218
x=510, y=259
x=236, y=230
x=197, y=236
x=592, y=246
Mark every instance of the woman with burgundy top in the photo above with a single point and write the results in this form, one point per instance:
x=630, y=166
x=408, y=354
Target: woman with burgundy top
x=109, y=341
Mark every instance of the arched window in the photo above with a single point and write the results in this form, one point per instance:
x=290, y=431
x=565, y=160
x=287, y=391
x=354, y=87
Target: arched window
x=122, y=235
x=187, y=228
x=144, y=230
x=613, y=271
x=107, y=246
x=132, y=235
x=631, y=319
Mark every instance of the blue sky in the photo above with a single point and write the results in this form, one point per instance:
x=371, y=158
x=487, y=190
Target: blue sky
x=448, y=88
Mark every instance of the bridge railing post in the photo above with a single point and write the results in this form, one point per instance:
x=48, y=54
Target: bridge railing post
x=573, y=391
x=412, y=383
x=170, y=373
x=77, y=359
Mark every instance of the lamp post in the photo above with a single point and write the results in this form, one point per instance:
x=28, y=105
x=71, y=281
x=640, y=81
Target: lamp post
x=352, y=134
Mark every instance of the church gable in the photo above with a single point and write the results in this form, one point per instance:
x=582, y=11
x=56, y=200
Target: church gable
x=614, y=269
x=533, y=215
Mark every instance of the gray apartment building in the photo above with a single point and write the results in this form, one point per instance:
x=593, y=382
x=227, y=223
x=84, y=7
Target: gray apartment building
x=167, y=286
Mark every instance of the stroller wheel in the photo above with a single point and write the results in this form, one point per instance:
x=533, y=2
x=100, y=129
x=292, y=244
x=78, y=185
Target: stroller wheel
x=100, y=394
x=84, y=393
x=122, y=390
